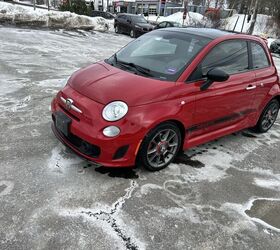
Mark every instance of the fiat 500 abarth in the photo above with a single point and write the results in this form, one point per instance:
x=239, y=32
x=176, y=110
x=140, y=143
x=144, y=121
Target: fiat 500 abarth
x=164, y=92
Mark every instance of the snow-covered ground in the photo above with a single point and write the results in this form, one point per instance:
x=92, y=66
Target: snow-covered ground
x=51, y=199
x=27, y=16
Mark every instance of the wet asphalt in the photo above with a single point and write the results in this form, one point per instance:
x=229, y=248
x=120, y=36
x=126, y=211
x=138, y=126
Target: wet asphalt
x=221, y=195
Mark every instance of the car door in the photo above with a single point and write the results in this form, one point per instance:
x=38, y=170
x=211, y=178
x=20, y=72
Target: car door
x=264, y=73
x=127, y=24
x=121, y=22
x=223, y=104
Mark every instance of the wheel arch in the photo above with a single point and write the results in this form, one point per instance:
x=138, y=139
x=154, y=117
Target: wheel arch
x=178, y=123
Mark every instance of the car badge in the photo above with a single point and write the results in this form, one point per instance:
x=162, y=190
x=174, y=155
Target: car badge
x=68, y=103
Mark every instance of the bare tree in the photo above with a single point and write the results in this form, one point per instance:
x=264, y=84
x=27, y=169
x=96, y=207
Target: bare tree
x=253, y=22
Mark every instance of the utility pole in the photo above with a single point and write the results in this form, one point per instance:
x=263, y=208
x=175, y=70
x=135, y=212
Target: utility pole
x=253, y=22
x=34, y=4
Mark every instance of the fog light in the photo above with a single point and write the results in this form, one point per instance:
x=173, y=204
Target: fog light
x=111, y=131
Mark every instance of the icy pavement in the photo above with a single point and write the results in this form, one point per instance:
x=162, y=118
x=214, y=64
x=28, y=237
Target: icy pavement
x=51, y=199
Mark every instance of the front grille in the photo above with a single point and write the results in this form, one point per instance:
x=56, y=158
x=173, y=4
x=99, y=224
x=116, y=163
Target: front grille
x=83, y=146
x=68, y=113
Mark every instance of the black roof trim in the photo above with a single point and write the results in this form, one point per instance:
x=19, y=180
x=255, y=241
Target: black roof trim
x=205, y=32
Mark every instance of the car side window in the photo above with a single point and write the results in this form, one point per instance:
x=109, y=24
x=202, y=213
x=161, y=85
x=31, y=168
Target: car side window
x=259, y=56
x=169, y=25
x=162, y=25
x=229, y=56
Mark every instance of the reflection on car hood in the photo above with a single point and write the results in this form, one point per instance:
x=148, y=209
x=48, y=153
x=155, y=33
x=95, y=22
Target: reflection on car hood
x=144, y=25
x=104, y=83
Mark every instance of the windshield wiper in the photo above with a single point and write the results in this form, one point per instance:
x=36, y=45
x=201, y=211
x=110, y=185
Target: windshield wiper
x=138, y=68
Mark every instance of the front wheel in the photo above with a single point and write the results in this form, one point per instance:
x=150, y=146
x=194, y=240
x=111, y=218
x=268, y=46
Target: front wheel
x=132, y=34
x=268, y=117
x=160, y=147
x=117, y=29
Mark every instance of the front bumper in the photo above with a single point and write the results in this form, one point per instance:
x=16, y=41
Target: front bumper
x=86, y=138
x=140, y=31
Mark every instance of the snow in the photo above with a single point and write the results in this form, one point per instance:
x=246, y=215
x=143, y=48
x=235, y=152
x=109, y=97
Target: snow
x=263, y=25
x=23, y=15
x=191, y=19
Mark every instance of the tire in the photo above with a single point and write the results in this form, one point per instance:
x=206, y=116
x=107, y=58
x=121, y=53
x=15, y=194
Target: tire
x=268, y=117
x=160, y=147
x=132, y=34
x=117, y=29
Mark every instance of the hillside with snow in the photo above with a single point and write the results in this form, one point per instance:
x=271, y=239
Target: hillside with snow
x=264, y=25
x=192, y=19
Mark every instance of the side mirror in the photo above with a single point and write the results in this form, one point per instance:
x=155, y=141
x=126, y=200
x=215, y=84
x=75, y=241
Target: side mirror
x=214, y=75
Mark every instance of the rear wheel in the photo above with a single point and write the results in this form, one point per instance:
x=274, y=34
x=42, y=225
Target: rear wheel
x=268, y=117
x=160, y=147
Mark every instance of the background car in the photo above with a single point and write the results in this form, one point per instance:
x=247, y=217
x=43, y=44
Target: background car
x=133, y=25
x=167, y=24
x=275, y=46
x=106, y=15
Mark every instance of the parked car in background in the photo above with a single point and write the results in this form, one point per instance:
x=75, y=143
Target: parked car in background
x=275, y=46
x=167, y=91
x=106, y=15
x=133, y=25
x=168, y=24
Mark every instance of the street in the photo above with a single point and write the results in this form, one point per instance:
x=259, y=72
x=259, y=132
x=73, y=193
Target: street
x=52, y=199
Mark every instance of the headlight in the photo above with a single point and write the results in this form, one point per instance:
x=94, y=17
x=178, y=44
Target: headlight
x=114, y=111
x=138, y=27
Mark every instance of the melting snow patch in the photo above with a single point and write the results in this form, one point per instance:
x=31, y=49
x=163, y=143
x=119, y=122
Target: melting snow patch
x=268, y=183
x=264, y=211
x=58, y=161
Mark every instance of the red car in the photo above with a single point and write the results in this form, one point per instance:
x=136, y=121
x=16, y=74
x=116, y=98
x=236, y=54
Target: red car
x=167, y=91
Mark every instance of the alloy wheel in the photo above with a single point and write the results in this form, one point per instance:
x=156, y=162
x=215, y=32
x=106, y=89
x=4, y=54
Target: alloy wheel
x=270, y=116
x=162, y=148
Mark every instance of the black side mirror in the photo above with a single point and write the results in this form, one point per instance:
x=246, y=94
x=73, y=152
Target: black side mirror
x=214, y=75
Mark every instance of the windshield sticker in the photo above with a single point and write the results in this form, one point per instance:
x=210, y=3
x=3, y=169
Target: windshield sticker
x=171, y=70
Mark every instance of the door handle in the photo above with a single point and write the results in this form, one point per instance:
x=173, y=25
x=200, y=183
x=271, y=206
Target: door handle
x=250, y=87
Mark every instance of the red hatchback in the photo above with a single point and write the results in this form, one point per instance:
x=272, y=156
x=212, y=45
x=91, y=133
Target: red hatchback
x=169, y=90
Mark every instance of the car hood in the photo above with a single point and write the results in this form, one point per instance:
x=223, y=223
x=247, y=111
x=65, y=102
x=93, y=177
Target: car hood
x=104, y=83
x=144, y=25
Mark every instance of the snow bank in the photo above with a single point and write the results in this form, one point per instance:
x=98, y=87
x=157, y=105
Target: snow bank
x=27, y=16
x=192, y=19
x=264, y=25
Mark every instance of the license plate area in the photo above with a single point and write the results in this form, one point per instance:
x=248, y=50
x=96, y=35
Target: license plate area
x=62, y=123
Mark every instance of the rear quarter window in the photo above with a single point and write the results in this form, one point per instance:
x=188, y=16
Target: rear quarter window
x=259, y=56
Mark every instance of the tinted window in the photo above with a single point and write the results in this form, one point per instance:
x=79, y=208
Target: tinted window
x=138, y=19
x=259, y=56
x=162, y=25
x=230, y=56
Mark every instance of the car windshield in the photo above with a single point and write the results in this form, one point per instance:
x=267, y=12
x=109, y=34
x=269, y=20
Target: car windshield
x=159, y=54
x=138, y=19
